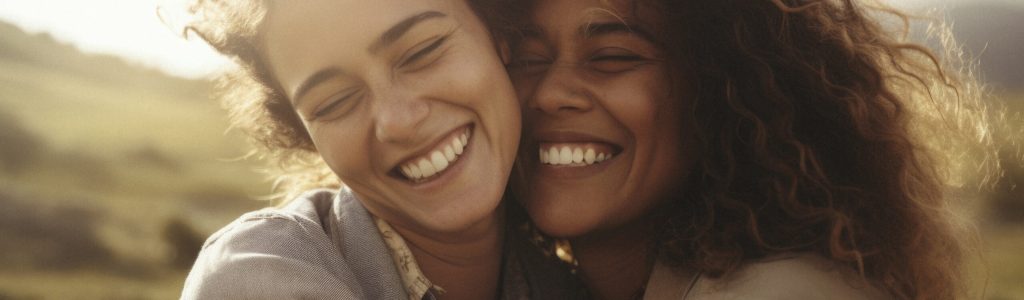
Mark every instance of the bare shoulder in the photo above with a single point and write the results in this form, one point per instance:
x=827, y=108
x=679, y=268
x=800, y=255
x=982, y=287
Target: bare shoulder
x=790, y=276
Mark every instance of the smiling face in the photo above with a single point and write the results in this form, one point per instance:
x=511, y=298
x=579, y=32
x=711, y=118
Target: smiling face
x=602, y=142
x=407, y=101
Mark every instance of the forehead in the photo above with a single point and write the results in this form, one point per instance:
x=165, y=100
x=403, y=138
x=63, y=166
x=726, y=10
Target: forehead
x=337, y=17
x=572, y=16
x=581, y=10
x=300, y=37
x=298, y=27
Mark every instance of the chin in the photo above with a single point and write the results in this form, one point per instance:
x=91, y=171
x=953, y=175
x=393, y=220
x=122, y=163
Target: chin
x=560, y=222
x=462, y=217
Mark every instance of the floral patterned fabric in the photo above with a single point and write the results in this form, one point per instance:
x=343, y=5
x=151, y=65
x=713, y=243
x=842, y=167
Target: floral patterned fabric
x=416, y=284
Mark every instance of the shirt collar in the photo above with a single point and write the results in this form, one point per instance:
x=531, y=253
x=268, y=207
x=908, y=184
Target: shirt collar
x=416, y=284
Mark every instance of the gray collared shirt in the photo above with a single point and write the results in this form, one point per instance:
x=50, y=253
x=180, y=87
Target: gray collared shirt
x=325, y=245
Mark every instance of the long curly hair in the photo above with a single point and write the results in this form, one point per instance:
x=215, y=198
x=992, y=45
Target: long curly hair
x=822, y=130
x=256, y=102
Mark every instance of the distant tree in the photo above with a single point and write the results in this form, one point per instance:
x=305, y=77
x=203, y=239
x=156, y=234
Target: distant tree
x=1007, y=200
x=19, y=147
x=36, y=234
x=184, y=242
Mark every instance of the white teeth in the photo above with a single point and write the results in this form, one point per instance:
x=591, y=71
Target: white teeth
x=414, y=171
x=437, y=161
x=565, y=155
x=449, y=154
x=457, y=145
x=427, y=168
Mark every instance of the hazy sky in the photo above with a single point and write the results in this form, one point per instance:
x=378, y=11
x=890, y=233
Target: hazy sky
x=128, y=28
x=131, y=28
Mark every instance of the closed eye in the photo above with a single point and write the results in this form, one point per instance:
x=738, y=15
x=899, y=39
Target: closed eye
x=527, y=60
x=615, y=60
x=412, y=59
x=334, y=104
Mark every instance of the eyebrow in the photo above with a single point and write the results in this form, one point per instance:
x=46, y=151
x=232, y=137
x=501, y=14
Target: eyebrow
x=314, y=80
x=396, y=32
x=599, y=29
x=386, y=39
x=591, y=30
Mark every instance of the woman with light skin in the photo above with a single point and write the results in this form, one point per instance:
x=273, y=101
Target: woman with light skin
x=740, y=149
x=409, y=105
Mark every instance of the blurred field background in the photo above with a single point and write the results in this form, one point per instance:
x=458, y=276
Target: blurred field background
x=112, y=174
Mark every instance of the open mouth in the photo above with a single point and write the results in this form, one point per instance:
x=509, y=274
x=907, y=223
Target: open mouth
x=576, y=154
x=432, y=164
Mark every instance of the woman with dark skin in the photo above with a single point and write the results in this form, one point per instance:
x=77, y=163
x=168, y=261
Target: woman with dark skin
x=783, y=149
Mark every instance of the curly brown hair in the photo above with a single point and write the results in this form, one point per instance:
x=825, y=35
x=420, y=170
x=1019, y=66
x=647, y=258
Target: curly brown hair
x=256, y=102
x=822, y=130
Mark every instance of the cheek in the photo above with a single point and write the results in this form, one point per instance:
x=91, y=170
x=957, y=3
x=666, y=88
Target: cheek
x=471, y=75
x=342, y=147
x=642, y=104
x=481, y=84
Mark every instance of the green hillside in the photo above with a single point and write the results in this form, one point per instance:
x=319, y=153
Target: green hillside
x=110, y=174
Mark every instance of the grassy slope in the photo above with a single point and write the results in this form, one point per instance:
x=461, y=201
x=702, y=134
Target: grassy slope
x=1004, y=262
x=1004, y=240
x=139, y=146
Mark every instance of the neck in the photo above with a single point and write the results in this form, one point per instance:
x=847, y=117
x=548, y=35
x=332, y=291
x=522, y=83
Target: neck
x=616, y=264
x=466, y=265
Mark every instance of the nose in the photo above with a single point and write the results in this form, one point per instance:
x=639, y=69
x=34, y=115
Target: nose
x=398, y=116
x=561, y=90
